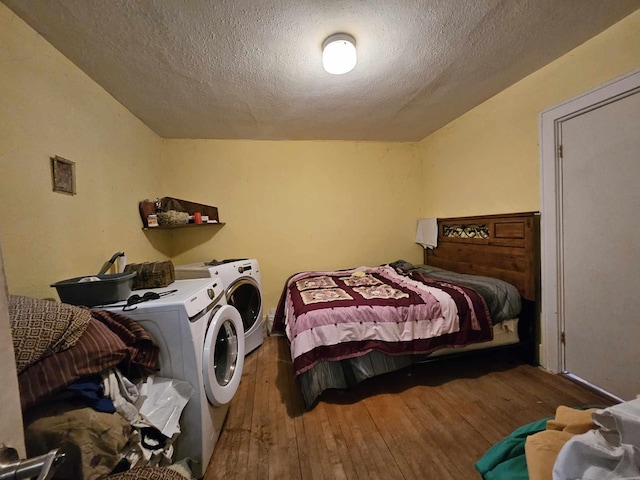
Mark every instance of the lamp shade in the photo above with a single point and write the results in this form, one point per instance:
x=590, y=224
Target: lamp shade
x=339, y=53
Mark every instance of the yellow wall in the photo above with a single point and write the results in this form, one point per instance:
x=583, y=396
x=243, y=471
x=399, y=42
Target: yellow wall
x=297, y=205
x=487, y=161
x=49, y=107
x=292, y=205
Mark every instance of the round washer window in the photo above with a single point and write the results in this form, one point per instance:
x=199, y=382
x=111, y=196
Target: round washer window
x=225, y=356
x=245, y=296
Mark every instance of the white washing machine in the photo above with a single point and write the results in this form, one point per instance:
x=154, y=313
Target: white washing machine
x=200, y=340
x=243, y=289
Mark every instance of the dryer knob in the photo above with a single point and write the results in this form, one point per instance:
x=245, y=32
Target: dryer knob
x=211, y=292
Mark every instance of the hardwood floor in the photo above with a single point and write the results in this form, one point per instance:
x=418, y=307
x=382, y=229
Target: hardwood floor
x=430, y=421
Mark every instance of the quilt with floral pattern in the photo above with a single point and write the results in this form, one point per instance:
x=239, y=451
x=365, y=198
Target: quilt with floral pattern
x=331, y=316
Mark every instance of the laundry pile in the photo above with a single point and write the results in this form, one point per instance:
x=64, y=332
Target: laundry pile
x=591, y=444
x=153, y=411
x=87, y=385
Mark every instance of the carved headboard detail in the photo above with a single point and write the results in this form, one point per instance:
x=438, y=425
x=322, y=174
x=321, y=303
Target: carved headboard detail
x=500, y=246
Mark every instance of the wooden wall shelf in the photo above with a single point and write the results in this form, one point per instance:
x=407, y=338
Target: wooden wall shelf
x=147, y=207
x=187, y=225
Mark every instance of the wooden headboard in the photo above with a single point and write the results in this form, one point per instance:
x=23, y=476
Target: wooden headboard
x=500, y=246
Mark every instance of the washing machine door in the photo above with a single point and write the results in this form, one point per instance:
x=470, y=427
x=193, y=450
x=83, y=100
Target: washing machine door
x=223, y=355
x=244, y=294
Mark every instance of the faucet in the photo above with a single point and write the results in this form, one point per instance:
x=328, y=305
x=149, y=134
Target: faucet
x=44, y=466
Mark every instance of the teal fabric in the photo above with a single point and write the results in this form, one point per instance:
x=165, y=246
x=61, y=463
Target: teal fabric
x=506, y=460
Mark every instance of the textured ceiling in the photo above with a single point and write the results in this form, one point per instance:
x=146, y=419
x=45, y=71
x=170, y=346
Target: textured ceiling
x=252, y=69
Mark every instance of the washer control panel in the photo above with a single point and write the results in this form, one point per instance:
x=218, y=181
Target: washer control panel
x=202, y=298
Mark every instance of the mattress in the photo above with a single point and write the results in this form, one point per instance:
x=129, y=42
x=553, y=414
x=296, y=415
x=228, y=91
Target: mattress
x=504, y=333
x=350, y=372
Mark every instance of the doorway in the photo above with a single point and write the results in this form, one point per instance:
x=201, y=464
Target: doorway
x=590, y=237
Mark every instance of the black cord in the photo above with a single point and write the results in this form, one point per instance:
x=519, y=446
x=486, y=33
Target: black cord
x=135, y=299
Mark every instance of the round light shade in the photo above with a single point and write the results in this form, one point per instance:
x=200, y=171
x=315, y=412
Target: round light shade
x=339, y=53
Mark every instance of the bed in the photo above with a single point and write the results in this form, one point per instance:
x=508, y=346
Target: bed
x=476, y=290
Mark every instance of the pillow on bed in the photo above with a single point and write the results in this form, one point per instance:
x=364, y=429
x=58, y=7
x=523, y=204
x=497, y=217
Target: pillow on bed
x=42, y=327
x=503, y=299
x=97, y=349
x=406, y=266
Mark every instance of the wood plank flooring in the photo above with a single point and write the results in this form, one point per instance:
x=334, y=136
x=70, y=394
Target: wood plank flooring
x=430, y=421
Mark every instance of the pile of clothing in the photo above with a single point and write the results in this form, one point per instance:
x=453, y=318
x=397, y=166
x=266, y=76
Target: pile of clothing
x=87, y=385
x=589, y=444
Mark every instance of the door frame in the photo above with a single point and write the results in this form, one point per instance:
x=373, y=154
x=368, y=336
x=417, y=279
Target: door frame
x=551, y=266
x=12, y=434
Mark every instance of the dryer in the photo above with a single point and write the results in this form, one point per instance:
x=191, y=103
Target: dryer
x=243, y=290
x=201, y=341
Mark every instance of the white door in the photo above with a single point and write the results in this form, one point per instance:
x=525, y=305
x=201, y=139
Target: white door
x=600, y=245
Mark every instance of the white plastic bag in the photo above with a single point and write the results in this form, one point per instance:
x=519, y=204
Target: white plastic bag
x=164, y=402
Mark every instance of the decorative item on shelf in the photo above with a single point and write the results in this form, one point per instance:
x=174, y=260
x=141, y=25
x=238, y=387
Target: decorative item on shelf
x=171, y=203
x=173, y=218
x=147, y=208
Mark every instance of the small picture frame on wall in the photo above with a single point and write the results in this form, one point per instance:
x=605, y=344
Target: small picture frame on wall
x=64, y=175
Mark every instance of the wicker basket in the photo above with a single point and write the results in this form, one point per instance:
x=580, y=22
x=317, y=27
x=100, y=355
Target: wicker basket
x=151, y=274
x=173, y=217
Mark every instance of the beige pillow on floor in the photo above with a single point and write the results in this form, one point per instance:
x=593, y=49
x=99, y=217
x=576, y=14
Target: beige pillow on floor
x=541, y=450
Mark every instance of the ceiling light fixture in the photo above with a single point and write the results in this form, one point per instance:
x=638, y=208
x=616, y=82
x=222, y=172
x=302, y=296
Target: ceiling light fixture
x=339, y=53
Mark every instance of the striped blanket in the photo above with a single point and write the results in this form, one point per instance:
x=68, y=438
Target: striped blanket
x=332, y=316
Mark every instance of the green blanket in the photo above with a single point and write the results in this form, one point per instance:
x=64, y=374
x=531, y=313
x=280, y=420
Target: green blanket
x=506, y=460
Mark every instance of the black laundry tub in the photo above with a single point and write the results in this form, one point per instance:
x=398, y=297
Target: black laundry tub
x=111, y=288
